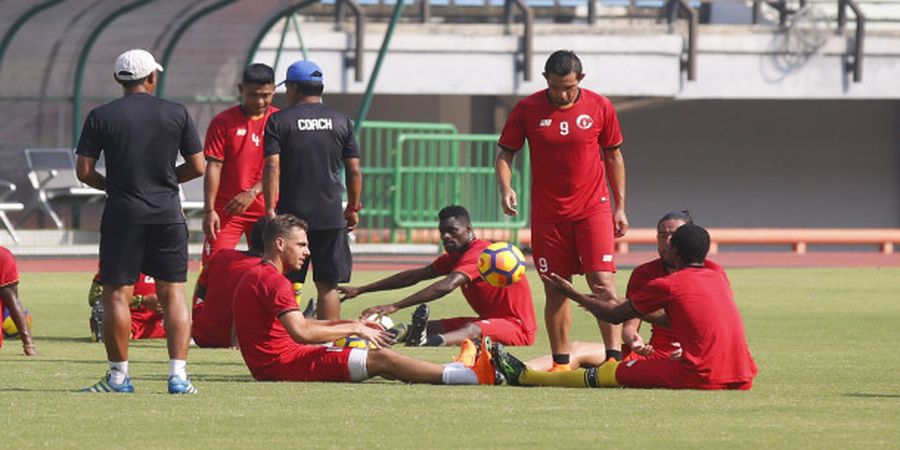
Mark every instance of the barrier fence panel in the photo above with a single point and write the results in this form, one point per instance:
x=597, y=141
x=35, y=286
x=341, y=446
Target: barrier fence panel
x=433, y=171
x=378, y=142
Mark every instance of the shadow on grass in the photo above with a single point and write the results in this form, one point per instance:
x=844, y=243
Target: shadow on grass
x=39, y=339
x=19, y=389
x=872, y=395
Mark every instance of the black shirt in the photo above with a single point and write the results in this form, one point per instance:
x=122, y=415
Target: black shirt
x=140, y=136
x=312, y=140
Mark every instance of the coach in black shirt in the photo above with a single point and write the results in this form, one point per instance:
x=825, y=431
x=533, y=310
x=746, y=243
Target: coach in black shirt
x=143, y=227
x=305, y=147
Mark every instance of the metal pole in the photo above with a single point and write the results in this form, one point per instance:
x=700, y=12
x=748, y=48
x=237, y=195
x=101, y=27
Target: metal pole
x=385, y=44
x=296, y=23
x=11, y=32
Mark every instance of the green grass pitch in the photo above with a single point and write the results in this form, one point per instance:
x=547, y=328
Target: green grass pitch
x=825, y=341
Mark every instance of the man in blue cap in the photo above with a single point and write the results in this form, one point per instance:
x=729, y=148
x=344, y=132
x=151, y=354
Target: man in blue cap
x=306, y=145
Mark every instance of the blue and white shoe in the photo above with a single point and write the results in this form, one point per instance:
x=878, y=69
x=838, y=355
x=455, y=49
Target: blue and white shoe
x=178, y=385
x=106, y=386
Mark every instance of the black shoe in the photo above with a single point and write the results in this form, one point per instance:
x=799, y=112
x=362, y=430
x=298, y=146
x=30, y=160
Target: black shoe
x=511, y=367
x=398, y=331
x=310, y=311
x=96, y=322
x=417, y=333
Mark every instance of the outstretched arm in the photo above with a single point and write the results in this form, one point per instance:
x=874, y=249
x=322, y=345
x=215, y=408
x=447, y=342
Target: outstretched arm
x=395, y=281
x=609, y=309
x=9, y=295
x=434, y=291
x=313, y=331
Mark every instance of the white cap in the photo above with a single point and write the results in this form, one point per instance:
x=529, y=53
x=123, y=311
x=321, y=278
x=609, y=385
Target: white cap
x=135, y=64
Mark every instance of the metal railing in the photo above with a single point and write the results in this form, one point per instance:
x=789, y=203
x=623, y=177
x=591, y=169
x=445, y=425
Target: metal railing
x=855, y=65
x=673, y=7
x=527, y=33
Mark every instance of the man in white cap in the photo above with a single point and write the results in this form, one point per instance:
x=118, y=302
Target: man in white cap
x=143, y=227
x=305, y=147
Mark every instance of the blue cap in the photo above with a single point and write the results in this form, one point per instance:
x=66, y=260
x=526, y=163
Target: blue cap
x=303, y=70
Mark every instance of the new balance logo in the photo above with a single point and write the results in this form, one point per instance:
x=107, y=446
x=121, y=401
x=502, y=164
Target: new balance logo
x=546, y=122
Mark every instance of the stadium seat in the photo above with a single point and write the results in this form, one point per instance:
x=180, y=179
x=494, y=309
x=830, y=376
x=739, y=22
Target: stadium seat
x=192, y=196
x=51, y=172
x=7, y=188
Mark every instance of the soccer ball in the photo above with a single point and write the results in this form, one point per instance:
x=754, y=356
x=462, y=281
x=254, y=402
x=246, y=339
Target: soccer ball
x=386, y=322
x=9, y=327
x=353, y=342
x=501, y=264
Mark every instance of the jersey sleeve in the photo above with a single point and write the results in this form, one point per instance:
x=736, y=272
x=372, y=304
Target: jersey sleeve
x=216, y=136
x=636, y=281
x=190, y=139
x=467, y=264
x=9, y=272
x=513, y=135
x=350, y=148
x=611, y=134
x=284, y=300
x=443, y=265
x=654, y=295
x=272, y=137
x=89, y=142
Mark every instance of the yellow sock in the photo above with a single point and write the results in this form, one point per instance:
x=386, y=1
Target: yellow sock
x=606, y=373
x=574, y=378
x=298, y=291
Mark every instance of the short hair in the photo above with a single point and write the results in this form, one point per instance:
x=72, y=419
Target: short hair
x=280, y=226
x=131, y=83
x=454, y=211
x=562, y=63
x=692, y=242
x=684, y=216
x=308, y=88
x=258, y=74
x=257, y=243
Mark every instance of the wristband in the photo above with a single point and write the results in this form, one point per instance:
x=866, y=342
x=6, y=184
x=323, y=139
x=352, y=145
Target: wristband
x=356, y=209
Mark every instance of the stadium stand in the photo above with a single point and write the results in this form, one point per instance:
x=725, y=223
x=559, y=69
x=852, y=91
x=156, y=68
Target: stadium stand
x=51, y=172
x=7, y=188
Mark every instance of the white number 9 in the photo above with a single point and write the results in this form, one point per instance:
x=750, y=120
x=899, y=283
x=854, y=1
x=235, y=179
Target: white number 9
x=543, y=267
x=564, y=128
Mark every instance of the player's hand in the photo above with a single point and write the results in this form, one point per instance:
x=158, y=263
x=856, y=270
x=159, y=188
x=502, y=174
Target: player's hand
x=376, y=335
x=152, y=303
x=352, y=218
x=348, y=292
x=237, y=205
x=620, y=221
x=678, y=352
x=560, y=284
x=508, y=201
x=380, y=310
x=636, y=342
x=29, y=349
x=211, y=224
x=270, y=213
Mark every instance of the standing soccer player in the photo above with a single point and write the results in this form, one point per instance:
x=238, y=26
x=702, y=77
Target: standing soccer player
x=574, y=139
x=143, y=227
x=9, y=297
x=306, y=146
x=234, y=161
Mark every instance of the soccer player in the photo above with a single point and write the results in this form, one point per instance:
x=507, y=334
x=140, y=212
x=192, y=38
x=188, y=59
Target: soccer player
x=234, y=160
x=505, y=314
x=9, y=296
x=213, y=324
x=575, y=144
x=143, y=226
x=146, y=310
x=305, y=146
x=695, y=301
x=279, y=344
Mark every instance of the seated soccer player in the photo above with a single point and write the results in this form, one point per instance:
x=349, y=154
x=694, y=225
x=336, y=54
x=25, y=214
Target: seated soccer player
x=505, y=314
x=694, y=301
x=663, y=344
x=9, y=297
x=146, y=311
x=279, y=344
x=213, y=321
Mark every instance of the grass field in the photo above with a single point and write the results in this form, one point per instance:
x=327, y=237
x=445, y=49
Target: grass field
x=824, y=339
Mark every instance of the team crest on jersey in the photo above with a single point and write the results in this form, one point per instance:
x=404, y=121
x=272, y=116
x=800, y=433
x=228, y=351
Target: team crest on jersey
x=584, y=122
x=546, y=122
x=241, y=132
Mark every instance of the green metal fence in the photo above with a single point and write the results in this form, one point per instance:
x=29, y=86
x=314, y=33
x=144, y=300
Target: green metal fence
x=432, y=171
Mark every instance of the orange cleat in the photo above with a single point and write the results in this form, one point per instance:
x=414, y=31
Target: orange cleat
x=467, y=353
x=484, y=366
x=560, y=368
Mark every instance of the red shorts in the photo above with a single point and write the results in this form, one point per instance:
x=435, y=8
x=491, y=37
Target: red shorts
x=230, y=230
x=569, y=248
x=504, y=331
x=668, y=374
x=309, y=363
x=629, y=355
x=146, y=324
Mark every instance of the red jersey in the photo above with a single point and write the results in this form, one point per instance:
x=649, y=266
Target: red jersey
x=237, y=141
x=568, y=173
x=261, y=296
x=511, y=302
x=144, y=286
x=9, y=272
x=707, y=323
x=661, y=338
x=213, y=318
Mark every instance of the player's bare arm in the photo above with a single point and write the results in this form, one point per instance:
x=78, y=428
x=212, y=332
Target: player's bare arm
x=194, y=166
x=271, y=176
x=610, y=309
x=395, y=281
x=86, y=171
x=9, y=296
x=353, y=180
x=211, y=180
x=434, y=291
x=503, y=171
x=615, y=171
x=313, y=331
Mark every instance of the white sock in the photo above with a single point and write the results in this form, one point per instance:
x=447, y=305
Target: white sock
x=118, y=371
x=178, y=367
x=456, y=373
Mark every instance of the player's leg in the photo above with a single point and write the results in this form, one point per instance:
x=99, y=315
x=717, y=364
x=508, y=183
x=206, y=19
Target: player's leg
x=599, y=283
x=452, y=332
x=583, y=354
x=553, y=246
x=392, y=365
x=595, y=244
x=332, y=264
x=117, y=320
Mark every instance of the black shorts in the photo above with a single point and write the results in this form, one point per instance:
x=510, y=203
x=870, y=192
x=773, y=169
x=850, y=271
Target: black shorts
x=156, y=250
x=330, y=257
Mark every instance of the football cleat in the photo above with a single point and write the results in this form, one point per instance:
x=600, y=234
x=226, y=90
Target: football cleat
x=106, y=386
x=511, y=367
x=417, y=333
x=560, y=368
x=398, y=331
x=310, y=311
x=467, y=353
x=178, y=385
x=96, y=322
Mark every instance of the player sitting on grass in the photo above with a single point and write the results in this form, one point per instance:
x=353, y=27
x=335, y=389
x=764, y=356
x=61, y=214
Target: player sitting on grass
x=695, y=301
x=279, y=344
x=213, y=320
x=663, y=343
x=146, y=311
x=9, y=296
x=505, y=314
